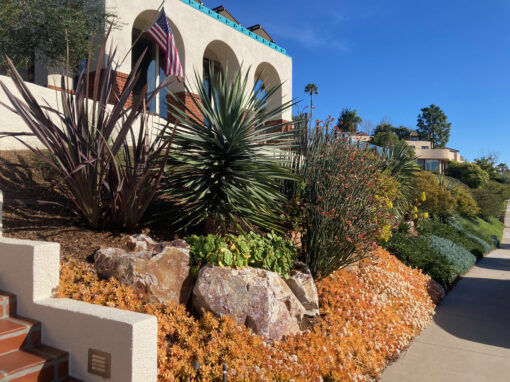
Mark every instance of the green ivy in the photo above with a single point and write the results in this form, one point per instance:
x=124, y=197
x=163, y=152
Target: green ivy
x=270, y=252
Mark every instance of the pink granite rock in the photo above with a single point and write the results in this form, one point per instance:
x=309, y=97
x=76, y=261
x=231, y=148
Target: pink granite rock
x=257, y=298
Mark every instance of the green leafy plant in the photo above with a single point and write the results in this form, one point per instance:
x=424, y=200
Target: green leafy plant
x=231, y=160
x=109, y=165
x=270, y=252
x=459, y=258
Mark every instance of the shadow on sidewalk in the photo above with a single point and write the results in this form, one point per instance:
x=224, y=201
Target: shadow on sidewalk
x=478, y=309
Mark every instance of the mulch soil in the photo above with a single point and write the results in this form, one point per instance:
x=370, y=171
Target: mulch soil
x=35, y=208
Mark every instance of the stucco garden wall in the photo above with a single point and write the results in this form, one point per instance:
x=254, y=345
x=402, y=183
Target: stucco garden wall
x=31, y=271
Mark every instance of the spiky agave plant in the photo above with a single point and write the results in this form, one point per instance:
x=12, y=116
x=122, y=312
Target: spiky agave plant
x=230, y=159
x=101, y=152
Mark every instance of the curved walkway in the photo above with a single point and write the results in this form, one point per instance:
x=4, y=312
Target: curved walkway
x=469, y=338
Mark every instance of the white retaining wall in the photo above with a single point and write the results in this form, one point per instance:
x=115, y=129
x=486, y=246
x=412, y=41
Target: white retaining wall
x=30, y=270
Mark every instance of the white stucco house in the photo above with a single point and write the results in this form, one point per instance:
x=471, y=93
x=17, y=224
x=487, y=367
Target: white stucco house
x=204, y=36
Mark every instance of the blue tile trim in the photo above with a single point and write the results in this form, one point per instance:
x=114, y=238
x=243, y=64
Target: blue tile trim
x=237, y=27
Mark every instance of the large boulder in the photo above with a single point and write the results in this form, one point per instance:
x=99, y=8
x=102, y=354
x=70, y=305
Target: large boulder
x=302, y=285
x=159, y=270
x=259, y=299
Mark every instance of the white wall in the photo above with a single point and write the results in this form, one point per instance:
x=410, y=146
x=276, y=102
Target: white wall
x=198, y=30
x=31, y=271
x=13, y=123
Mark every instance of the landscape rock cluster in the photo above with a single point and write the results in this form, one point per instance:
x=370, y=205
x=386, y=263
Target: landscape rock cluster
x=261, y=300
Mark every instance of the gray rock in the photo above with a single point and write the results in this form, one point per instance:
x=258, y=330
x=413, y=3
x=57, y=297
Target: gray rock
x=257, y=298
x=302, y=285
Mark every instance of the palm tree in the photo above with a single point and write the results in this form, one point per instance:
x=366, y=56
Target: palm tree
x=311, y=89
x=349, y=120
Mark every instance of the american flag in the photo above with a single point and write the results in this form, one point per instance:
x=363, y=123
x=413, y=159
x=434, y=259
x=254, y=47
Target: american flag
x=161, y=32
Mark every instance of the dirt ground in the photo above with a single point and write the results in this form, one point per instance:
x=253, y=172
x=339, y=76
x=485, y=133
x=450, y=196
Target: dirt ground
x=35, y=208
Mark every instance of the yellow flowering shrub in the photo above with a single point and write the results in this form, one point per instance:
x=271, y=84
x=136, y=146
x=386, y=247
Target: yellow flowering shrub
x=368, y=316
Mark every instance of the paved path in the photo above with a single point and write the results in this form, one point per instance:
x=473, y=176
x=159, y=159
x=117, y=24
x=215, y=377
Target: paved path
x=469, y=338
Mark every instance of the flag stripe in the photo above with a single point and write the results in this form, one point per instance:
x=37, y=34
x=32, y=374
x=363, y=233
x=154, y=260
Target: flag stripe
x=162, y=34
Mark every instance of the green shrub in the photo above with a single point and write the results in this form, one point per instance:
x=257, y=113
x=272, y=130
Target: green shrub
x=450, y=233
x=439, y=201
x=269, y=252
x=491, y=204
x=457, y=257
x=465, y=203
x=416, y=253
x=468, y=173
x=341, y=214
x=487, y=247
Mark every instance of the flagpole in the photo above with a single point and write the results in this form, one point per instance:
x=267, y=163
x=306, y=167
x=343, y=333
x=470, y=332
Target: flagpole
x=142, y=32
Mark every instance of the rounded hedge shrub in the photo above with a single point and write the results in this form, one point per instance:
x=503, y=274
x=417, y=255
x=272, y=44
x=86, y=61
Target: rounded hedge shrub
x=416, y=253
x=469, y=173
x=459, y=258
x=450, y=233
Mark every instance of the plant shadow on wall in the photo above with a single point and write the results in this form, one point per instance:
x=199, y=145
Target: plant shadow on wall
x=229, y=159
x=102, y=153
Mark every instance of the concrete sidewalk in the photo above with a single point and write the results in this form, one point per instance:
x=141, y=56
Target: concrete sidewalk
x=469, y=338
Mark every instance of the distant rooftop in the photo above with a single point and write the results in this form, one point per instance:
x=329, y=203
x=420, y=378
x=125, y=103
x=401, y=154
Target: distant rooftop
x=222, y=15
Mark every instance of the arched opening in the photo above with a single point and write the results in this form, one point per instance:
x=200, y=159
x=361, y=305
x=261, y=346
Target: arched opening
x=152, y=67
x=218, y=56
x=266, y=77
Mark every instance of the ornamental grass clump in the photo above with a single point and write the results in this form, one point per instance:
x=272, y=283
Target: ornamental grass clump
x=231, y=158
x=459, y=258
x=101, y=152
x=341, y=212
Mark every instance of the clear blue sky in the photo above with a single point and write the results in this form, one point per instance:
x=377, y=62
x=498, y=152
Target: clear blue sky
x=388, y=59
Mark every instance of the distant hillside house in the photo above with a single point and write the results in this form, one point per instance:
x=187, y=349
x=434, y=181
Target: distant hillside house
x=203, y=37
x=434, y=159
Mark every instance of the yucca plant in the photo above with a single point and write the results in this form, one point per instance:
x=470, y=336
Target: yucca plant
x=229, y=161
x=101, y=152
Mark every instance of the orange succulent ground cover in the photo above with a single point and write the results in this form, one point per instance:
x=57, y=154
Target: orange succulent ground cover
x=368, y=316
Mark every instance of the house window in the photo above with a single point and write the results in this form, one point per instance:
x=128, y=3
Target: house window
x=413, y=147
x=425, y=147
x=432, y=165
x=152, y=72
x=421, y=163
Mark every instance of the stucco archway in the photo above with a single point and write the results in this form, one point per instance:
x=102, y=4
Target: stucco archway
x=268, y=75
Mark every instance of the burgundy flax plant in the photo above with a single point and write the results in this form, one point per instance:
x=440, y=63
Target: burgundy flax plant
x=103, y=153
